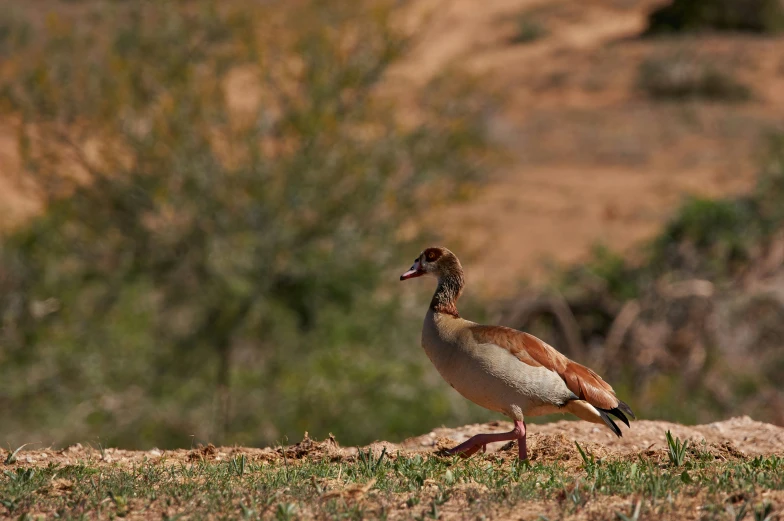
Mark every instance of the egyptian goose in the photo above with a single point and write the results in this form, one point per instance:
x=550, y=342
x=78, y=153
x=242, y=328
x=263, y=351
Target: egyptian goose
x=503, y=369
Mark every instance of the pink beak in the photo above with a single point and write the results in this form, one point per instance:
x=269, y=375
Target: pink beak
x=415, y=271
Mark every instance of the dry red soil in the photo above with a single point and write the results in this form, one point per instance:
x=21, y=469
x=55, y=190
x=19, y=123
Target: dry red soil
x=592, y=159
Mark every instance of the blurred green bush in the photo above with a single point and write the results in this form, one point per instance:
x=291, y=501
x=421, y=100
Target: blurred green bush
x=528, y=29
x=759, y=16
x=224, y=196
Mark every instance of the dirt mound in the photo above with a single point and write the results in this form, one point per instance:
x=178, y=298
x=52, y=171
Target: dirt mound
x=730, y=438
x=736, y=438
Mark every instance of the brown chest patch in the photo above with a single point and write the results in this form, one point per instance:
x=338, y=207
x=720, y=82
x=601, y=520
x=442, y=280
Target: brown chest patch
x=448, y=308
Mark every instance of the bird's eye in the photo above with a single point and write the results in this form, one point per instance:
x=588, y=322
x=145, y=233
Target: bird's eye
x=431, y=255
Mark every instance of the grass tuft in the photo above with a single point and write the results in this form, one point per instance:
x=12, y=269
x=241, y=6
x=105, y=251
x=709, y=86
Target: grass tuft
x=589, y=461
x=12, y=455
x=634, y=515
x=676, y=450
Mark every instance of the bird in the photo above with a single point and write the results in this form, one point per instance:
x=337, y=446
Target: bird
x=504, y=369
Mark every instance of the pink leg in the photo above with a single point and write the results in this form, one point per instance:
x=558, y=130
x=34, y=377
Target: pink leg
x=471, y=446
x=522, y=448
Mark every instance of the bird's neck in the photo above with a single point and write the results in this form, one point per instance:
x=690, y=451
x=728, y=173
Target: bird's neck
x=449, y=288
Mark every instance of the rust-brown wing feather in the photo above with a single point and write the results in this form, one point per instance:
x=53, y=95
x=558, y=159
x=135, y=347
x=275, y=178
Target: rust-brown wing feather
x=582, y=381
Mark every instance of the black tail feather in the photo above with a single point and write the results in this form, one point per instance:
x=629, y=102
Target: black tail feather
x=618, y=414
x=623, y=406
x=608, y=421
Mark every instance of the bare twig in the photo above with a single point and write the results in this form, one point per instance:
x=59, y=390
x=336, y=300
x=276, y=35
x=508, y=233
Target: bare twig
x=620, y=326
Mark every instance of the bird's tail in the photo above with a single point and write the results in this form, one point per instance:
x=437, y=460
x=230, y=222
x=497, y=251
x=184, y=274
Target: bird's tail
x=591, y=413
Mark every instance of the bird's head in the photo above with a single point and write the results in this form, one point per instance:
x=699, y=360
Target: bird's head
x=435, y=261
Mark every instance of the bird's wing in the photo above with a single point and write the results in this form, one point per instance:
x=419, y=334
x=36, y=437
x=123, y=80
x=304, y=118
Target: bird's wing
x=582, y=381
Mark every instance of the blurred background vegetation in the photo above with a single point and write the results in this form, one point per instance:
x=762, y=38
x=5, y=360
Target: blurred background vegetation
x=216, y=270
x=229, y=194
